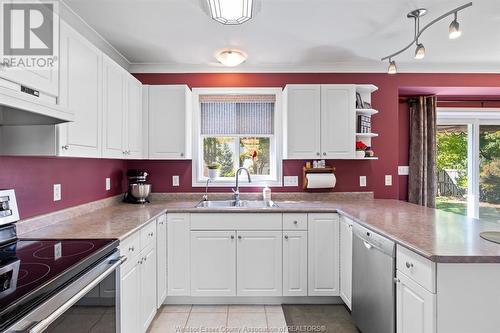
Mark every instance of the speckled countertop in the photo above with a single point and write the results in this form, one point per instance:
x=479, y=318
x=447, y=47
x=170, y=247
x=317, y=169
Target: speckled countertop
x=437, y=235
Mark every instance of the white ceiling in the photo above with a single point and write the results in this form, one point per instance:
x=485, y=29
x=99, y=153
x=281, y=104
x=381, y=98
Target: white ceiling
x=296, y=35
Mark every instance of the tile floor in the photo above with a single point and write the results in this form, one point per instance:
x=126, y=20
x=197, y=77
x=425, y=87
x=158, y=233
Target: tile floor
x=219, y=319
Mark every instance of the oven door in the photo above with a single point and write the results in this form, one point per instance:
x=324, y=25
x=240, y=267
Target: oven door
x=88, y=304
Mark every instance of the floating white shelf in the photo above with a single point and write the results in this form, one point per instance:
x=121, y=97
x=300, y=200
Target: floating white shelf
x=366, y=88
x=367, y=135
x=366, y=112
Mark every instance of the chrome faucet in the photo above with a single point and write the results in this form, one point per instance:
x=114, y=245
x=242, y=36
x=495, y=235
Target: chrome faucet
x=205, y=196
x=237, y=190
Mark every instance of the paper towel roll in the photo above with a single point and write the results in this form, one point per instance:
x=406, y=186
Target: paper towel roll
x=321, y=180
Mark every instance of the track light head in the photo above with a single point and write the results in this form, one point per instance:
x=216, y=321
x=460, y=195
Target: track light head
x=454, y=29
x=392, y=69
x=420, y=51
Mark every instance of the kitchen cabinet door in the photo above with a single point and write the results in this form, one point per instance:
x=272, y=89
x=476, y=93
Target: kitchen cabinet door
x=415, y=307
x=169, y=113
x=134, y=118
x=115, y=109
x=81, y=93
x=259, y=263
x=178, y=239
x=302, y=121
x=346, y=260
x=323, y=255
x=213, y=263
x=338, y=121
x=295, y=263
x=161, y=259
x=148, y=287
x=130, y=299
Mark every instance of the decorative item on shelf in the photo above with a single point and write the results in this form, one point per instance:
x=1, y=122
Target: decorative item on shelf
x=367, y=105
x=318, y=178
x=369, y=152
x=364, y=124
x=360, y=149
x=213, y=171
x=359, y=101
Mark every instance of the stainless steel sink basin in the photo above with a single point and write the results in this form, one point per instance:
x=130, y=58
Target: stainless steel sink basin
x=222, y=204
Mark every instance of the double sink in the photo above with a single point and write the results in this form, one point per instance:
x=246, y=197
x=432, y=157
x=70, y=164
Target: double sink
x=227, y=204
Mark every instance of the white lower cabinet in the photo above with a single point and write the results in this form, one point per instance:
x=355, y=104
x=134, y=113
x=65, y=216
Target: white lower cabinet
x=147, y=299
x=259, y=271
x=161, y=259
x=294, y=263
x=323, y=254
x=213, y=263
x=129, y=298
x=346, y=260
x=178, y=254
x=415, y=307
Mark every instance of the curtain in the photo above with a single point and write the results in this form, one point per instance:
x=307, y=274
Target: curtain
x=422, y=182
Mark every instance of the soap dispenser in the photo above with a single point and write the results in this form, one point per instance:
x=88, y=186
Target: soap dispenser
x=266, y=193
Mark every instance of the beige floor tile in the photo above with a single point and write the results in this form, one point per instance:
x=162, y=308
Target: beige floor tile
x=247, y=321
x=246, y=308
x=273, y=308
x=276, y=322
x=176, y=308
x=200, y=321
x=169, y=322
x=209, y=308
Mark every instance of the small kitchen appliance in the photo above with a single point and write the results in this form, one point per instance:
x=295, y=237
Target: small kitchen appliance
x=138, y=189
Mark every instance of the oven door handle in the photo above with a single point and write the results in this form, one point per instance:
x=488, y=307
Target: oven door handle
x=43, y=324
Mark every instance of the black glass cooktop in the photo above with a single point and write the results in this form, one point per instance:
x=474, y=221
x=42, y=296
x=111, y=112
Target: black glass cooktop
x=31, y=270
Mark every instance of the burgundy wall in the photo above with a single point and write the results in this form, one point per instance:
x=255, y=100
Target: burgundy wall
x=82, y=180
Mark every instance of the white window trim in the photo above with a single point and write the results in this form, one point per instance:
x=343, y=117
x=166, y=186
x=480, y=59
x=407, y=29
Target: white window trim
x=276, y=148
x=473, y=118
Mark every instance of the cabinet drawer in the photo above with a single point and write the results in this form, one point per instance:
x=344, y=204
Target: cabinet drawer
x=130, y=248
x=148, y=235
x=292, y=221
x=418, y=268
x=236, y=221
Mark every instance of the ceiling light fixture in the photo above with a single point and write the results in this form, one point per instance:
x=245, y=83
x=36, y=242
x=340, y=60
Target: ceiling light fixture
x=454, y=32
x=231, y=58
x=454, y=29
x=231, y=12
x=392, y=67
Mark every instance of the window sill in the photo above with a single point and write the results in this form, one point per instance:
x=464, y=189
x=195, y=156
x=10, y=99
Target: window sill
x=243, y=183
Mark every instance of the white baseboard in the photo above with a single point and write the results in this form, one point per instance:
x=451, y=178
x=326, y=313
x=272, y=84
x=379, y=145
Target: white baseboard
x=253, y=300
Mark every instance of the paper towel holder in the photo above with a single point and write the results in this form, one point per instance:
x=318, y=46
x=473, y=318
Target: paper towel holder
x=305, y=171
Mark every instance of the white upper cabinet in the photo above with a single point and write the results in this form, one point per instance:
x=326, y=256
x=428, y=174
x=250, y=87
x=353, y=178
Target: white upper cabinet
x=133, y=129
x=302, y=121
x=338, y=121
x=169, y=114
x=81, y=92
x=115, y=109
x=320, y=121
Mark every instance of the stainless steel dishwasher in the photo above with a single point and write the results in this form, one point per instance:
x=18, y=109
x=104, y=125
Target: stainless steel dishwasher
x=373, y=288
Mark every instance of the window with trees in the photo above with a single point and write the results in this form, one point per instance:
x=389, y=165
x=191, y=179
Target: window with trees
x=468, y=163
x=237, y=128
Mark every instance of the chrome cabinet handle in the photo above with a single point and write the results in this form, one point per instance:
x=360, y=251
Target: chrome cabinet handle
x=286, y=236
x=65, y=147
x=295, y=222
x=239, y=237
x=318, y=154
x=396, y=280
x=324, y=154
x=409, y=265
x=182, y=154
x=131, y=249
x=232, y=236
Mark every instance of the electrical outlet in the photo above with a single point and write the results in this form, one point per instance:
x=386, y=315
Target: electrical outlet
x=175, y=180
x=388, y=180
x=108, y=184
x=403, y=170
x=291, y=181
x=57, y=192
x=362, y=181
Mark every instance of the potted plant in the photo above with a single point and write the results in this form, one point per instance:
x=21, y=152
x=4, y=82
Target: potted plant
x=360, y=149
x=213, y=170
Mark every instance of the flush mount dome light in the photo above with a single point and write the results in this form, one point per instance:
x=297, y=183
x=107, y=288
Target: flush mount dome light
x=231, y=58
x=231, y=12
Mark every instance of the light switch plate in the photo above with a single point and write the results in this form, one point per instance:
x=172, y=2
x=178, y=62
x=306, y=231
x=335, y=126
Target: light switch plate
x=403, y=170
x=290, y=181
x=362, y=181
x=57, y=192
x=388, y=180
x=108, y=184
x=175, y=180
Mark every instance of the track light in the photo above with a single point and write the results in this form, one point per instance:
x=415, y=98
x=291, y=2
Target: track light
x=454, y=29
x=392, y=67
x=420, y=51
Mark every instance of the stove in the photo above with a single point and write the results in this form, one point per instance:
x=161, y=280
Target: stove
x=39, y=277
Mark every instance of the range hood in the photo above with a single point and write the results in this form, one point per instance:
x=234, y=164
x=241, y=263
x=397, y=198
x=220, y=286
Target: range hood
x=19, y=108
